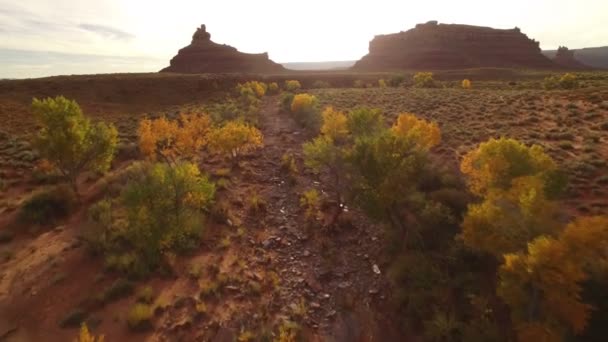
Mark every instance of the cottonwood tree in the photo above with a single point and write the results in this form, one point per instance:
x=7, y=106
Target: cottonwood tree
x=513, y=181
x=542, y=284
x=327, y=151
x=165, y=210
x=387, y=170
x=70, y=141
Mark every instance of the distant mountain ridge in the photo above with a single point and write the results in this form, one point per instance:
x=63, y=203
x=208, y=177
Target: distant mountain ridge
x=330, y=65
x=596, y=57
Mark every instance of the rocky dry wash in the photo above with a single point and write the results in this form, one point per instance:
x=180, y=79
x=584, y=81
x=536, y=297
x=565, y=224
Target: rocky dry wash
x=450, y=46
x=206, y=56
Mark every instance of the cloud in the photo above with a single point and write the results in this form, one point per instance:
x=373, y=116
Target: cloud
x=107, y=32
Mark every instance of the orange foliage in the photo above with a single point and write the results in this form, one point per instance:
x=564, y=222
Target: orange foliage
x=173, y=139
x=425, y=134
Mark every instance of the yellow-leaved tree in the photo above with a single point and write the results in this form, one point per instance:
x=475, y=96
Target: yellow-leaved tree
x=543, y=283
x=334, y=124
x=466, y=84
x=506, y=220
x=516, y=183
x=70, y=141
x=235, y=138
x=173, y=140
x=497, y=162
x=425, y=133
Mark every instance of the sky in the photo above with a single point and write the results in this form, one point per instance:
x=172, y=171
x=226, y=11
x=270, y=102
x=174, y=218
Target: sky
x=42, y=38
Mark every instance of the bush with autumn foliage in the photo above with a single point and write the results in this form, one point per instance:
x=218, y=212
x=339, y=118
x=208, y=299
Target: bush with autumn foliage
x=424, y=80
x=234, y=139
x=292, y=85
x=172, y=140
x=160, y=211
x=69, y=141
x=444, y=251
x=305, y=109
x=380, y=163
x=543, y=262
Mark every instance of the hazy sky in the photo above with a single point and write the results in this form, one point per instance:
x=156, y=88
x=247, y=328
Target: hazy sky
x=42, y=37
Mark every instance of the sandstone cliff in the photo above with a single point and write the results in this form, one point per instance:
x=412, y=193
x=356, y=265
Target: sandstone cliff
x=205, y=56
x=450, y=46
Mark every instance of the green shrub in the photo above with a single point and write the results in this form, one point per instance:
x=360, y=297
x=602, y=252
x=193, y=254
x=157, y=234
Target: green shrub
x=165, y=210
x=551, y=82
x=120, y=288
x=292, y=85
x=225, y=111
x=364, y=121
x=566, y=81
x=140, y=317
x=396, y=80
x=48, y=205
x=258, y=89
x=273, y=88
x=305, y=109
x=424, y=80
x=286, y=100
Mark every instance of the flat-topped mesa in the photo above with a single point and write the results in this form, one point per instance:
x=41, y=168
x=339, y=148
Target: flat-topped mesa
x=205, y=56
x=452, y=46
x=564, y=57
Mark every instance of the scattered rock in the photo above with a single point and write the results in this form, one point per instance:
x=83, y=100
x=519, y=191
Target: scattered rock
x=376, y=269
x=313, y=283
x=344, y=285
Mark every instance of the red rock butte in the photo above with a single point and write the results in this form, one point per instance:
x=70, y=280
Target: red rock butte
x=564, y=57
x=205, y=56
x=452, y=46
